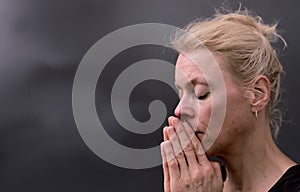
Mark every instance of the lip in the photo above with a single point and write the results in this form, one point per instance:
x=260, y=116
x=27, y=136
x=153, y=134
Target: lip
x=199, y=132
x=199, y=135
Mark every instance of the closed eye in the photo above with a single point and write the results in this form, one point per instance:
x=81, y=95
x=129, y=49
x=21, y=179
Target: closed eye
x=202, y=97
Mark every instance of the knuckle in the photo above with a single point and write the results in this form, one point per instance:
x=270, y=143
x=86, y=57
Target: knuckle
x=174, y=139
x=173, y=164
x=188, y=146
x=179, y=154
x=196, y=143
x=167, y=182
x=169, y=153
x=165, y=165
x=197, y=176
x=208, y=171
x=215, y=165
x=190, y=155
x=180, y=130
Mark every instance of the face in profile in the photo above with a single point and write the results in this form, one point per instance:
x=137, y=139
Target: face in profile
x=211, y=101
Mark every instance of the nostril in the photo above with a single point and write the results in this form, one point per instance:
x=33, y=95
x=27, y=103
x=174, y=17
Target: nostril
x=182, y=119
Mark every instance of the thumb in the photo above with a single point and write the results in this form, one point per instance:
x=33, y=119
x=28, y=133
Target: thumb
x=217, y=169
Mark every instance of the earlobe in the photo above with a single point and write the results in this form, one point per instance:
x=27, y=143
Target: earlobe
x=261, y=93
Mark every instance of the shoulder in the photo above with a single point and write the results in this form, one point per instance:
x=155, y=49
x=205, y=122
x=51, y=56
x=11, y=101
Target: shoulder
x=289, y=182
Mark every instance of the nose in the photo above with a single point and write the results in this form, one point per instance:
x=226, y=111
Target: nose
x=177, y=110
x=184, y=108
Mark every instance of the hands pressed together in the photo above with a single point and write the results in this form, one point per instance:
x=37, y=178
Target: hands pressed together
x=185, y=164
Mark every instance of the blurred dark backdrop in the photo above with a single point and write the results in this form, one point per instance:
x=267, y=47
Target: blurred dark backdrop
x=42, y=43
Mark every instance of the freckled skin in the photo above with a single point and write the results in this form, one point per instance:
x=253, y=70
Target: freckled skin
x=238, y=110
x=244, y=144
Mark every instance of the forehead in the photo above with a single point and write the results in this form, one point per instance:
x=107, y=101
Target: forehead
x=186, y=66
x=187, y=71
x=201, y=67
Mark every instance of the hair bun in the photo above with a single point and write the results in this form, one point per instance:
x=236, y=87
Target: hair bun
x=245, y=18
x=269, y=31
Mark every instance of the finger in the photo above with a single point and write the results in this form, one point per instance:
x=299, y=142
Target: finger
x=186, y=144
x=173, y=165
x=184, y=170
x=177, y=148
x=171, y=120
x=217, y=169
x=165, y=133
x=199, y=151
x=165, y=168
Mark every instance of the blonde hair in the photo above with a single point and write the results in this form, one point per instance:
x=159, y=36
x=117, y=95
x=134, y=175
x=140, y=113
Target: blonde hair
x=245, y=42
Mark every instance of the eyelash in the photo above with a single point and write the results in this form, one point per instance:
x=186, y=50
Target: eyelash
x=202, y=97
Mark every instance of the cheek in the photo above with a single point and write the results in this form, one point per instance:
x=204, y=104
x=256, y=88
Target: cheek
x=237, y=105
x=204, y=115
x=236, y=116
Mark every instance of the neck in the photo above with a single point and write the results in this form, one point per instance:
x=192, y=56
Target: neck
x=257, y=165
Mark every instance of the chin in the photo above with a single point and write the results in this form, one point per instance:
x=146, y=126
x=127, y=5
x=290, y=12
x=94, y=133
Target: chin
x=211, y=152
x=212, y=147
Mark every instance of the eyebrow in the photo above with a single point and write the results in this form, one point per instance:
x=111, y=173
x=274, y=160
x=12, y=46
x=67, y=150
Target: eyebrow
x=194, y=81
x=197, y=81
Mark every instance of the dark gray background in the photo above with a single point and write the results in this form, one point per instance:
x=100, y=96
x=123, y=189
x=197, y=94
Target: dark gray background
x=42, y=43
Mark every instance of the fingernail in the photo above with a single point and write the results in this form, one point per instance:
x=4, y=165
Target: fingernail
x=176, y=121
x=170, y=120
x=165, y=128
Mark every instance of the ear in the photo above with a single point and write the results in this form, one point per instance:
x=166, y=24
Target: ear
x=260, y=93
